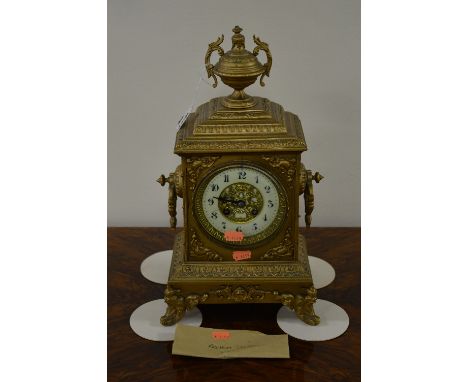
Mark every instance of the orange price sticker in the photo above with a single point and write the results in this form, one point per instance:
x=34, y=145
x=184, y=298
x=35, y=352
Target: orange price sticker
x=221, y=335
x=241, y=255
x=233, y=236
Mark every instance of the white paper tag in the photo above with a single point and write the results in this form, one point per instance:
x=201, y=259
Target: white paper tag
x=184, y=116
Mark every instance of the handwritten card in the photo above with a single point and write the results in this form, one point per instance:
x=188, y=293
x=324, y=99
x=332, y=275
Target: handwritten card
x=201, y=342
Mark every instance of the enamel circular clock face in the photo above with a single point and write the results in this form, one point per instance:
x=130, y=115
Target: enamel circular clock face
x=241, y=198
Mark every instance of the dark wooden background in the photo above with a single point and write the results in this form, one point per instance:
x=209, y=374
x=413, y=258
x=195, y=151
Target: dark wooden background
x=132, y=358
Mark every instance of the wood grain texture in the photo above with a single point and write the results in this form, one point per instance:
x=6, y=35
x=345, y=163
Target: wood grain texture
x=132, y=358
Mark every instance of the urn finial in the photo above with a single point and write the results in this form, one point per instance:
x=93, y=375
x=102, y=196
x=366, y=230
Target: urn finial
x=238, y=68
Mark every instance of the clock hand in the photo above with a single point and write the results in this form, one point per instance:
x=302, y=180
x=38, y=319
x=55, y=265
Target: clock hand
x=239, y=203
x=224, y=199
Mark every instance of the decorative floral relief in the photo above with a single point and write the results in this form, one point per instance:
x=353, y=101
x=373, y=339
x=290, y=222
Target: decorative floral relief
x=241, y=293
x=198, y=250
x=195, y=165
x=220, y=270
x=282, y=251
x=287, y=166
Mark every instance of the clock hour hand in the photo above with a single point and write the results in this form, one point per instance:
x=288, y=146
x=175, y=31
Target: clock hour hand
x=224, y=199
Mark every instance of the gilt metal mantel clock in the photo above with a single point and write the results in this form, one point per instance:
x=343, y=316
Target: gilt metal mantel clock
x=240, y=180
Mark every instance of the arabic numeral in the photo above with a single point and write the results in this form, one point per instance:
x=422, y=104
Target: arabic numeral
x=265, y=218
x=238, y=229
x=210, y=201
x=242, y=174
x=226, y=177
x=214, y=187
x=214, y=215
x=256, y=179
x=255, y=226
x=223, y=224
x=270, y=204
x=267, y=189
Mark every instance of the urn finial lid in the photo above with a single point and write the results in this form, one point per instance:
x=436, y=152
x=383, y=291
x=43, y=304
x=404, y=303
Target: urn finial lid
x=238, y=40
x=238, y=68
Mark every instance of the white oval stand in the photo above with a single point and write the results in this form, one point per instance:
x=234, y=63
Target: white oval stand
x=145, y=321
x=322, y=272
x=156, y=267
x=333, y=322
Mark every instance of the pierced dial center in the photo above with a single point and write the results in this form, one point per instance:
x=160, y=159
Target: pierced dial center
x=243, y=201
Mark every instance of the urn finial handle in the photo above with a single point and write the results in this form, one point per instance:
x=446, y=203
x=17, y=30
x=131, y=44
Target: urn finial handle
x=267, y=66
x=214, y=46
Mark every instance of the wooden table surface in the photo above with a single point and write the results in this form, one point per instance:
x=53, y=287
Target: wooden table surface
x=132, y=358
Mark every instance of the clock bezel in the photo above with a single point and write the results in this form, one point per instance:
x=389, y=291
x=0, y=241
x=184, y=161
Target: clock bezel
x=252, y=241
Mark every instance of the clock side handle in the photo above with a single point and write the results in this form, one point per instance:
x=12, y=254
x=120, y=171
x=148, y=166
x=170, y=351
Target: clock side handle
x=309, y=194
x=174, y=181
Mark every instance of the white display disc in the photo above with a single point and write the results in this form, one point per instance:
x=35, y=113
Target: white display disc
x=145, y=321
x=156, y=267
x=322, y=272
x=333, y=322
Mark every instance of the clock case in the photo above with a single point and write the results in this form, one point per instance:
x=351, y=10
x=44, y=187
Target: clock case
x=256, y=132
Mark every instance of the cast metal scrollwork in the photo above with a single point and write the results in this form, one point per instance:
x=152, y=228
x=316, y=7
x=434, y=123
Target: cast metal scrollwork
x=214, y=46
x=282, y=251
x=287, y=166
x=302, y=305
x=195, y=165
x=263, y=46
x=178, y=304
x=197, y=249
x=241, y=293
x=302, y=178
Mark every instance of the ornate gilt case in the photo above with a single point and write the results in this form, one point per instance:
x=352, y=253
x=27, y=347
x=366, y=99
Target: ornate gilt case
x=240, y=131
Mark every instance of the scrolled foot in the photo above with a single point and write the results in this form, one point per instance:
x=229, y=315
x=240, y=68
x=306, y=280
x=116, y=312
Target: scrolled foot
x=175, y=306
x=172, y=316
x=178, y=304
x=303, y=305
x=309, y=319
